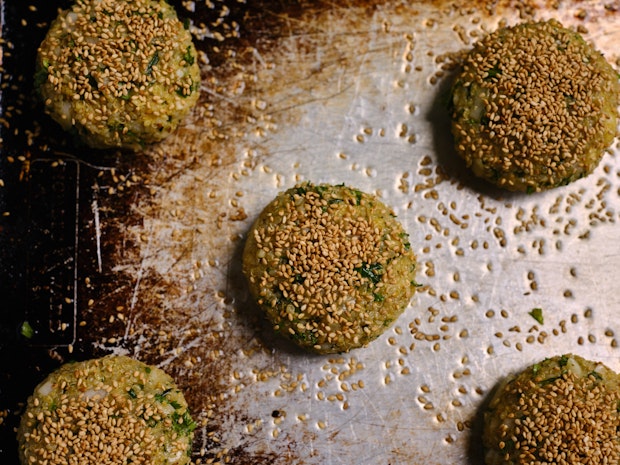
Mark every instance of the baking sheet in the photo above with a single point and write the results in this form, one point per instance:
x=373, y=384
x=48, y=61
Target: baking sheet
x=352, y=92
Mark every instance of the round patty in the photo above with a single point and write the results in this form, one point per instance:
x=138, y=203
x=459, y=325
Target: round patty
x=112, y=410
x=534, y=107
x=118, y=74
x=562, y=410
x=330, y=265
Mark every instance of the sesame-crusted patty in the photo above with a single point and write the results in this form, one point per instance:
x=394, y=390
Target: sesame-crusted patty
x=118, y=73
x=534, y=107
x=563, y=410
x=112, y=410
x=330, y=266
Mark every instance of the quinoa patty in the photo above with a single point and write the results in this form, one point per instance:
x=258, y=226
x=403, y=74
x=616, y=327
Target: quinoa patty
x=118, y=73
x=563, y=410
x=330, y=266
x=534, y=107
x=112, y=410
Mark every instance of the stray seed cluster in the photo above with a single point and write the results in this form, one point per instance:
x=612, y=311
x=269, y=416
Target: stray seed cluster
x=535, y=107
x=332, y=266
x=106, y=411
x=115, y=62
x=564, y=417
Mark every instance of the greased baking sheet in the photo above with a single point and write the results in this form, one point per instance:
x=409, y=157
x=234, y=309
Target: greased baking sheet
x=356, y=93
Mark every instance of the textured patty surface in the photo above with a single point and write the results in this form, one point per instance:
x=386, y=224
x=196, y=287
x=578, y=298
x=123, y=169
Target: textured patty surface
x=330, y=266
x=112, y=410
x=563, y=410
x=534, y=107
x=118, y=74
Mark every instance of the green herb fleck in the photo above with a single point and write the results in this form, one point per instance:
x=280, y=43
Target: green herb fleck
x=152, y=62
x=563, y=361
x=160, y=397
x=188, y=57
x=378, y=297
x=493, y=72
x=26, y=330
x=132, y=393
x=358, y=196
x=405, y=238
x=306, y=336
x=300, y=190
x=93, y=82
x=537, y=314
x=596, y=375
x=320, y=190
x=536, y=369
x=544, y=382
x=372, y=271
x=183, y=424
x=509, y=446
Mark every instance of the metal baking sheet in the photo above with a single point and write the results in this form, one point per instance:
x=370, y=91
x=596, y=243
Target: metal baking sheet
x=350, y=92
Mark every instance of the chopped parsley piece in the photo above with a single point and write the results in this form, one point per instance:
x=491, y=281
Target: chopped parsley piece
x=152, y=62
x=93, y=82
x=596, y=375
x=405, y=238
x=537, y=314
x=371, y=272
x=358, y=196
x=320, y=190
x=493, y=72
x=544, y=382
x=300, y=190
x=162, y=396
x=188, y=57
x=26, y=330
x=183, y=424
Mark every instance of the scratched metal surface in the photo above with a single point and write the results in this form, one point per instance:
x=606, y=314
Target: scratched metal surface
x=350, y=93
